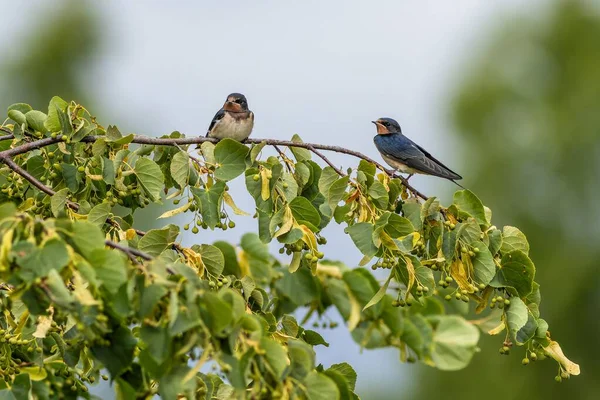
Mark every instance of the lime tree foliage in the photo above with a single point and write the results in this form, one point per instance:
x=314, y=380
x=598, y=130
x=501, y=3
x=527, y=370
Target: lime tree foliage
x=86, y=296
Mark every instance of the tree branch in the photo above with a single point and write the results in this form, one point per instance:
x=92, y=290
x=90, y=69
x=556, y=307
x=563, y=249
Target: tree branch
x=322, y=156
x=3, y=129
x=284, y=158
x=313, y=147
x=131, y=253
x=33, y=180
x=27, y=147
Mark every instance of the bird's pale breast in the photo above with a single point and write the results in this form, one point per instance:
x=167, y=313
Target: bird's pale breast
x=234, y=128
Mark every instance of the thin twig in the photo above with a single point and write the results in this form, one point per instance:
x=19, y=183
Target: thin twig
x=284, y=158
x=131, y=252
x=33, y=180
x=322, y=156
x=4, y=129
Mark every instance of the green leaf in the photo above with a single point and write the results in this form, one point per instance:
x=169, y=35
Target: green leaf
x=398, y=226
x=231, y=264
x=22, y=107
x=417, y=333
x=412, y=211
x=527, y=331
x=342, y=385
x=180, y=168
x=35, y=166
x=216, y=313
x=337, y=191
x=156, y=340
x=346, y=369
x=275, y=355
x=454, y=343
x=542, y=328
x=149, y=298
x=379, y=195
x=483, y=264
x=320, y=387
x=87, y=237
x=59, y=201
x=110, y=268
x=208, y=152
x=290, y=325
x=513, y=239
x=174, y=384
x=362, y=236
x=150, y=177
x=430, y=209
x=230, y=156
x=516, y=315
x=69, y=173
x=328, y=176
x=468, y=202
x=118, y=355
x=305, y=213
x=314, y=338
x=369, y=169
x=517, y=271
x=36, y=120
x=302, y=358
x=255, y=151
x=363, y=286
x=302, y=174
x=56, y=106
x=495, y=238
x=209, y=203
x=83, y=132
x=21, y=388
x=99, y=214
x=52, y=255
x=155, y=241
x=7, y=210
x=212, y=258
x=300, y=154
x=380, y=293
x=288, y=185
x=99, y=147
x=113, y=133
x=108, y=171
x=17, y=116
x=300, y=287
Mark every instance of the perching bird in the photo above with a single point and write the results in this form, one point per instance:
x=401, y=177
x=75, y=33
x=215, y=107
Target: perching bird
x=234, y=120
x=406, y=156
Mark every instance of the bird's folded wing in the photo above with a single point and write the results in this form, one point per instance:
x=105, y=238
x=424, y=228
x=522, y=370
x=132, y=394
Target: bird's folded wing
x=218, y=116
x=414, y=156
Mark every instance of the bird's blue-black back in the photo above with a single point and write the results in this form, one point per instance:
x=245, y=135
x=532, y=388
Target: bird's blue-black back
x=401, y=149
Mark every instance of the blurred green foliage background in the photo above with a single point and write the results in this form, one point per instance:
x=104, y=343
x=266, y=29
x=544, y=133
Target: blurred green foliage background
x=527, y=110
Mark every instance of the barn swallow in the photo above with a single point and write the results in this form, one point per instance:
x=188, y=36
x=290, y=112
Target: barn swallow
x=406, y=156
x=234, y=120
